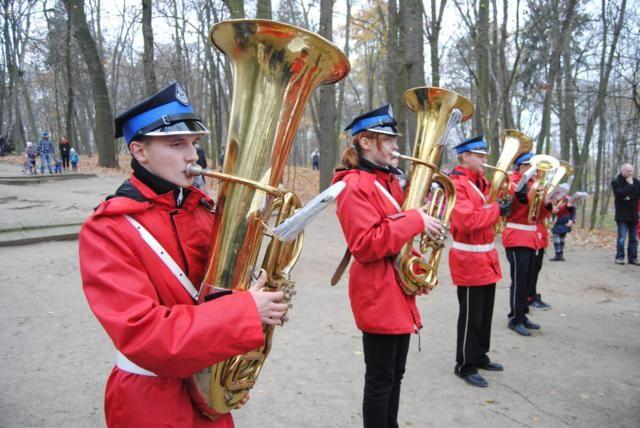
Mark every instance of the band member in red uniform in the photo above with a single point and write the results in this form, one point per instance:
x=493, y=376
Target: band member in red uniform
x=144, y=302
x=520, y=239
x=534, y=299
x=473, y=260
x=375, y=228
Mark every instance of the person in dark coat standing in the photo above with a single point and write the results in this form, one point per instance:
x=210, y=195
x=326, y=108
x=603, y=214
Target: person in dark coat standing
x=626, y=189
x=64, y=149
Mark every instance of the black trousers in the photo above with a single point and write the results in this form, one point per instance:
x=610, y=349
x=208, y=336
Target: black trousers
x=538, y=259
x=385, y=357
x=522, y=263
x=65, y=161
x=474, y=327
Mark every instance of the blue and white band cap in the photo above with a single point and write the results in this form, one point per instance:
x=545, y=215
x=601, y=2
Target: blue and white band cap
x=173, y=118
x=523, y=158
x=378, y=120
x=388, y=130
x=475, y=146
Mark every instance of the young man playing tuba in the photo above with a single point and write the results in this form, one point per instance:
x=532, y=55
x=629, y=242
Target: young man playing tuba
x=142, y=257
x=473, y=260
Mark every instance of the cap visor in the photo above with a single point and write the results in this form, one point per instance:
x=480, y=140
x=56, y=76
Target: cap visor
x=187, y=127
x=384, y=131
x=480, y=151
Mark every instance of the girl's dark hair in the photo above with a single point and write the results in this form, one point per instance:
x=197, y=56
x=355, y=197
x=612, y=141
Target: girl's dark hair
x=351, y=156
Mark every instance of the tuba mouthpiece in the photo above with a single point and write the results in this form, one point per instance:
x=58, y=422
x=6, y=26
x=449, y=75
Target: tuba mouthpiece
x=193, y=170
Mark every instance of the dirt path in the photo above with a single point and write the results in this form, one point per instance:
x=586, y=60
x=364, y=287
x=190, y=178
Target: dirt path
x=581, y=370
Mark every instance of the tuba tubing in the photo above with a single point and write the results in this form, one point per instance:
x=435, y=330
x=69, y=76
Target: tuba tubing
x=275, y=67
x=438, y=110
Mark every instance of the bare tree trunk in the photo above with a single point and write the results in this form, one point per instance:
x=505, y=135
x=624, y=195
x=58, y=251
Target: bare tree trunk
x=150, y=81
x=433, y=27
x=327, y=137
x=482, y=46
x=411, y=40
x=554, y=67
x=343, y=81
x=236, y=8
x=602, y=127
x=606, y=65
x=107, y=156
x=263, y=9
x=69, y=79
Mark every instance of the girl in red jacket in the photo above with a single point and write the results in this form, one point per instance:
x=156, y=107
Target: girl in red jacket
x=142, y=259
x=376, y=228
x=473, y=260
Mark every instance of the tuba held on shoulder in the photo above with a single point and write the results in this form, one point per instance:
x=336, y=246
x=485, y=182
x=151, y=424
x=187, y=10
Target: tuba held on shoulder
x=275, y=69
x=438, y=111
x=514, y=144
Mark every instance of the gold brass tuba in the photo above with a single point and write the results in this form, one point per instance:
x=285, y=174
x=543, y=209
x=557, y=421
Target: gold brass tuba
x=514, y=144
x=438, y=111
x=544, y=165
x=275, y=68
x=564, y=170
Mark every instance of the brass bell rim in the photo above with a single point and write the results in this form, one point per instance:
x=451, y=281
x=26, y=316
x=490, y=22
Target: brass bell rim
x=293, y=29
x=412, y=102
x=544, y=162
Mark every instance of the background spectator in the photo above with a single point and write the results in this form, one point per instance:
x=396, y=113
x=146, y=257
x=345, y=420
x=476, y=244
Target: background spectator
x=45, y=150
x=626, y=189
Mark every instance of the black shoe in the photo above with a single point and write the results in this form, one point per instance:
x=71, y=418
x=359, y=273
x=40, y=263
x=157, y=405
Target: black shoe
x=634, y=262
x=539, y=304
x=492, y=367
x=472, y=378
x=556, y=259
x=519, y=328
x=531, y=325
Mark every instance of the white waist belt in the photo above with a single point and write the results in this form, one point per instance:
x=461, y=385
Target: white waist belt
x=129, y=366
x=527, y=227
x=481, y=248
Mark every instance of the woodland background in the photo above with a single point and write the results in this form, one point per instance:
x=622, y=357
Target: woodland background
x=564, y=72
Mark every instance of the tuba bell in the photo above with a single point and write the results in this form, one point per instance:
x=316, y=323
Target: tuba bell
x=275, y=69
x=438, y=111
x=545, y=165
x=514, y=144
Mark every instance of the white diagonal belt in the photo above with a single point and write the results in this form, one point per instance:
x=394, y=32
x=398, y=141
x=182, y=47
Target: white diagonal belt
x=480, y=248
x=519, y=226
x=122, y=361
x=388, y=195
x=129, y=366
x=165, y=257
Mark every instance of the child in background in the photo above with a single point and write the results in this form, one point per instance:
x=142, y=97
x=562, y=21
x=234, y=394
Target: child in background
x=30, y=159
x=565, y=213
x=57, y=165
x=73, y=157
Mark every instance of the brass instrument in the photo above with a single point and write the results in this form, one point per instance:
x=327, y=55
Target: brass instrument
x=438, y=111
x=565, y=169
x=514, y=144
x=275, y=68
x=544, y=165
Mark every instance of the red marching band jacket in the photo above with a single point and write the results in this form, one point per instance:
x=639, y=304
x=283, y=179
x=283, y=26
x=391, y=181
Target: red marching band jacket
x=473, y=259
x=519, y=232
x=147, y=313
x=375, y=230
